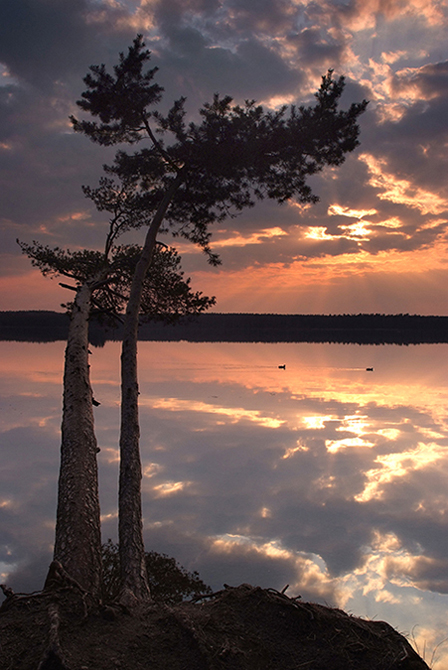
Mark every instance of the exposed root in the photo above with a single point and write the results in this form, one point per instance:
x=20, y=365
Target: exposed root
x=52, y=658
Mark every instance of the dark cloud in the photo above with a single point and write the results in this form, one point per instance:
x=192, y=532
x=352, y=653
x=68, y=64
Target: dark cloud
x=316, y=50
x=230, y=19
x=46, y=43
x=171, y=12
x=266, y=15
x=412, y=144
x=430, y=80
x=251, y=71
x=31, y=574
x=42, y=40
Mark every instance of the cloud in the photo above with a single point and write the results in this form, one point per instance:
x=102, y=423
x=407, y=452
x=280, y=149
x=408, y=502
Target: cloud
x=423, y=83
x=50, y=35
x=251, y=70
x=317, y=50
x=387, y=560
x=401, y=191
x=274, y=53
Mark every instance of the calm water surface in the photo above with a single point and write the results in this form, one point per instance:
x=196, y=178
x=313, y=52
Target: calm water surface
x=322, y=475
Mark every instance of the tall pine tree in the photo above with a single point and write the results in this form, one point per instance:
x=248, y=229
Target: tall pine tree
x=190, y=176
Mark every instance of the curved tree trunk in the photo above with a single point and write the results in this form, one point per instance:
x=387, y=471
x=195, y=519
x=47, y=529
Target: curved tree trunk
x=78, y=534
x=134, y=580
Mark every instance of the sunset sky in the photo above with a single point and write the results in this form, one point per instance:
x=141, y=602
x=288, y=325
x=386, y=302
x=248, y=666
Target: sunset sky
x=376, y=241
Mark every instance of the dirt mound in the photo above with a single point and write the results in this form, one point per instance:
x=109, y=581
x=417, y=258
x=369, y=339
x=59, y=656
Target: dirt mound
x=243, y=628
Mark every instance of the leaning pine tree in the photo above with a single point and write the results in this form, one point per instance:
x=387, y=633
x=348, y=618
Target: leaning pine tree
x=101, y=282
x=192, y=175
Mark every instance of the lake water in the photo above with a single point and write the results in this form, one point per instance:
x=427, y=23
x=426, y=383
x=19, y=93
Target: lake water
x=322, y=475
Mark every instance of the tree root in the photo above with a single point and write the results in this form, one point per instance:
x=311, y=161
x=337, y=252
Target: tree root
x=57, y=583
x=52, y=658
x=58, y=578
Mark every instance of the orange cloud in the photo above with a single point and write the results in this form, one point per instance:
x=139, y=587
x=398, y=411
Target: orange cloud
x=337, y=210
x=366, y=13
x=256, y=238
x=402, y=191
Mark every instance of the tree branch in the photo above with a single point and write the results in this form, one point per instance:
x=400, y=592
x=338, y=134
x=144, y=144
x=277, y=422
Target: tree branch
x=159, y=147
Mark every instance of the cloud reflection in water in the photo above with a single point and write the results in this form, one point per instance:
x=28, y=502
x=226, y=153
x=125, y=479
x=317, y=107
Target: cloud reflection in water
x=322, y=475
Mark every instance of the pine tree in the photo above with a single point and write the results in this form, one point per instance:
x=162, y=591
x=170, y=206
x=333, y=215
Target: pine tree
x=190, y=176
x=101, y=283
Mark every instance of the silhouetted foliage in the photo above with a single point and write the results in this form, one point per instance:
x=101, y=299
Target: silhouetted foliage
x=235, y=154
x=167, y=295
x=348, y=328
x=169, y=582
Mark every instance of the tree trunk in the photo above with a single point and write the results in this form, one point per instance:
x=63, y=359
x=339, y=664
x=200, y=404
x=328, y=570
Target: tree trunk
x=78, y=533
x=134, y=580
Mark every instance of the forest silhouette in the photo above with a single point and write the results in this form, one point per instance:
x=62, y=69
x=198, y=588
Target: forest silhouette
x=47, y=326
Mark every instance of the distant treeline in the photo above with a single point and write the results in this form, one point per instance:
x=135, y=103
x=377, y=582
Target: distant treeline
x=40, y=326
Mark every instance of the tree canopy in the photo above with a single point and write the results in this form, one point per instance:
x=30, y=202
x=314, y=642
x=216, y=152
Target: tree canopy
x=235, y=154
x=167, y=295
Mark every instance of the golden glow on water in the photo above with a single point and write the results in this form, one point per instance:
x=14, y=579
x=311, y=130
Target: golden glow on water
x=308, y=370
x=349, y=442
x=293, y=450
x=389, y=433
x=111, y=455
x=151, y=469
x=322, y=471
x=359, y=230
x=396, y=465
x=235, y=414
x=317, y=422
